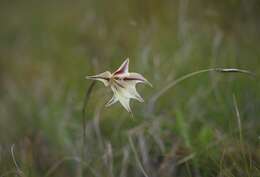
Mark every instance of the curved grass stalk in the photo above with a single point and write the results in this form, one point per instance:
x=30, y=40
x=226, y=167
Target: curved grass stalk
x=187, y=76
x=84, y=121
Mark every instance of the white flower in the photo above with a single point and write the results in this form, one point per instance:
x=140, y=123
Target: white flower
x=122, y=84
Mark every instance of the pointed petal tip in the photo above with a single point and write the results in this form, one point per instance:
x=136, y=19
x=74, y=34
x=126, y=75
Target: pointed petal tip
x=148, y=83
x=112, y=101
x=89, y=77
x=126, y=61
x=130, y=111
x=139, y=98
x=123, y=68
x=107, y=105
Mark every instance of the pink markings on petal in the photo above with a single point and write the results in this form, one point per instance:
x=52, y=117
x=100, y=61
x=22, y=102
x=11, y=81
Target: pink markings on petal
x=120, y=85
x=123, y=68
x=133, y=79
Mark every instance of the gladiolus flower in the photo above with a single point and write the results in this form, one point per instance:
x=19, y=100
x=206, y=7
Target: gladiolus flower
x=123, y=85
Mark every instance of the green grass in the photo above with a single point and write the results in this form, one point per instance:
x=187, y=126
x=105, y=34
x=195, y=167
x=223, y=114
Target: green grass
x=205, y=126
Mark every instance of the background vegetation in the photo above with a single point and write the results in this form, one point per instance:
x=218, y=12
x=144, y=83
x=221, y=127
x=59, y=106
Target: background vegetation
x=206, y=126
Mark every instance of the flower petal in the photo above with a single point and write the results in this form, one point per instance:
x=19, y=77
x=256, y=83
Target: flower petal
x=122, y=96
x=137, y=96
x=132, y=92
x=134, y=77
x=112, y=101
x=123, y=68
x=103, y=77
x=126, y=85
x=125, y=103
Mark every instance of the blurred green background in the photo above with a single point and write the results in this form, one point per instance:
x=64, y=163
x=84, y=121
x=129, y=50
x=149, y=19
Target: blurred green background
x=48, y=47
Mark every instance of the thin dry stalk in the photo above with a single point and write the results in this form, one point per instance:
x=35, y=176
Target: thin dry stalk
x=59, y=163
x=136, y=156
x=125, y=162
x=144, y=150
x=12, y=172
x=186, y=159
x=238, y=119
x=243, y=149
x=18, y=169
x=109, y=159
